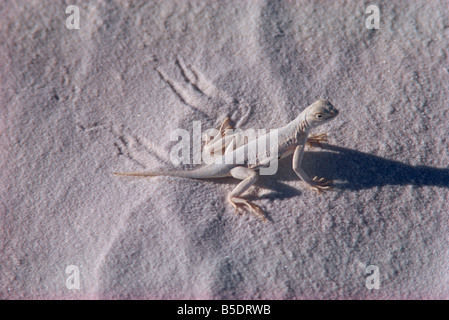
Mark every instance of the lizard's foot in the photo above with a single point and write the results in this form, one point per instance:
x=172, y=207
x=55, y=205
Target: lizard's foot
x=239, y=202
x=226, y=125
x=321, y=184
x=316, y=139
x=215, y=146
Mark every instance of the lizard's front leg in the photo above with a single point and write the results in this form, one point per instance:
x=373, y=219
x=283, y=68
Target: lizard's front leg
x=249, y=177
x=318, y=184
x=316, y=139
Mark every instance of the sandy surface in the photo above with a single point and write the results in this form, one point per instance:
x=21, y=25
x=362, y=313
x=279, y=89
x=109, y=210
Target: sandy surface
x=77, y=105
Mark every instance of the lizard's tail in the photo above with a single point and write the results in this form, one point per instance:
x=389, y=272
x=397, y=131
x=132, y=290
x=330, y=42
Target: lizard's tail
x=205, y=172
x=138, y=174
x=193, y=174
x=185, y=174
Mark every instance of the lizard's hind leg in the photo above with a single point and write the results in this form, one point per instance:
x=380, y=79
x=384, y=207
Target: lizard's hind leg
x=249, y=177
x=225, y=141
x=222, y=132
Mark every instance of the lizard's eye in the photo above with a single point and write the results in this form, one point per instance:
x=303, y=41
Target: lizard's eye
x=319, y=115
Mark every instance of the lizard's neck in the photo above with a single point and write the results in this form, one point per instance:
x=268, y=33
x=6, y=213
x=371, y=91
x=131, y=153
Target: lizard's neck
x=298, y=127
x=293, y=132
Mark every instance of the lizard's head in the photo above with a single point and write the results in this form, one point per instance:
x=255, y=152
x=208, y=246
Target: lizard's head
x=320, y=112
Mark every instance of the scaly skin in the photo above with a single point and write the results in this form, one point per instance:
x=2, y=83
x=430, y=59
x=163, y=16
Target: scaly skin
x=292, y=138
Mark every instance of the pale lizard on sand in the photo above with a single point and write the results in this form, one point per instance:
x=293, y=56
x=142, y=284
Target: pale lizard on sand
x=291, y=138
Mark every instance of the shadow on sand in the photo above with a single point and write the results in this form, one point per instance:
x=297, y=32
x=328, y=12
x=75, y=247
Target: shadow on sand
x=353, y=170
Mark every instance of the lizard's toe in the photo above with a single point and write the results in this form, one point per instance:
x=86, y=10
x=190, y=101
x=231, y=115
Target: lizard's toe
x=316, y=139
x=321, y=184
x=320, y=189
x=322, y=181
x=257, y=210
x=238, y=203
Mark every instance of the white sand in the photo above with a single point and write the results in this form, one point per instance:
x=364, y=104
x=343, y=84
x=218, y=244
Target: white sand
x=77, y=105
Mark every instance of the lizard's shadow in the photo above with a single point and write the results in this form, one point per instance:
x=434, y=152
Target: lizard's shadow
x=352, y=170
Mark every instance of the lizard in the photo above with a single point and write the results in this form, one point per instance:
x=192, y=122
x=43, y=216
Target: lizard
x=291, y=138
